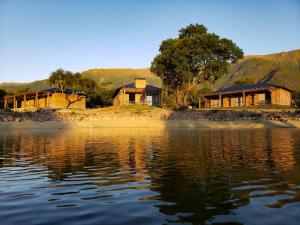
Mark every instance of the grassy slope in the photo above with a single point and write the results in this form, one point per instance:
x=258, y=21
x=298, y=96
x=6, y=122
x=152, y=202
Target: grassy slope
x=112, y=77
x=282, y=68
x=119, y=77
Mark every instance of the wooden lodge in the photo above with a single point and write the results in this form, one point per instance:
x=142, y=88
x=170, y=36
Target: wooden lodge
x=248, y=95
x=49, y=98
x=138, y=92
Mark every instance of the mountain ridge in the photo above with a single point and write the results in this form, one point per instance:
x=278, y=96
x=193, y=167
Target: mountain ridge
x=281, y=68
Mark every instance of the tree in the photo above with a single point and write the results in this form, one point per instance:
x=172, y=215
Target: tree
x=195, y=94
x=192, y=58
x=61, y=79
x=65, y=79
x=2, y=95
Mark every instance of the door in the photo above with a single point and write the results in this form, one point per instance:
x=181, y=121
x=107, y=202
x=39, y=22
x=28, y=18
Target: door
x=131, y=98
x=149, y=99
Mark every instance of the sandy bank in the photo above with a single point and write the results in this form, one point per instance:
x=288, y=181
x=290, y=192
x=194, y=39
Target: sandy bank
x=148, y=124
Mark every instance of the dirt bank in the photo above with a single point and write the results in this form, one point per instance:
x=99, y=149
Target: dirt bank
x=148, y=124
x=143, y=116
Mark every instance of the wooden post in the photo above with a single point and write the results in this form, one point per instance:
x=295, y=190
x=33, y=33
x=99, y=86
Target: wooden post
x=5, y=103
x=244, y=98
x=36, y=99
x=220, y=101
x=47, y=100
x=199, y=102
x=25, y=101
x=124, y=97
x=14, y=102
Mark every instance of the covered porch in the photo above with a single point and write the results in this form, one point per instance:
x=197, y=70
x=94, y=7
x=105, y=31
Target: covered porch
x=237, y=99
x=27, y=101
x=137, y=96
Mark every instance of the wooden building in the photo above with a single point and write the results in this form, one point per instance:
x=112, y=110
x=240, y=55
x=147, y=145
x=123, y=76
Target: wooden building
x=48, y=98
x=138, y=92
x=248, y=95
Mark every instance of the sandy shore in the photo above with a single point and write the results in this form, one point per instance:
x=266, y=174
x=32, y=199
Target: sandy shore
x=148, y=124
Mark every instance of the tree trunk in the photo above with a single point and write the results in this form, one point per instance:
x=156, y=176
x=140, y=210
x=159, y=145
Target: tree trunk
x=177, y=98
x=186, y=93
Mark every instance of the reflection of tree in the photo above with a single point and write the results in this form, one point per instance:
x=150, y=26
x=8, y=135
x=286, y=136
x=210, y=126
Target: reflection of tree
x=187, y=176
x=192, y=171
x=198, y=172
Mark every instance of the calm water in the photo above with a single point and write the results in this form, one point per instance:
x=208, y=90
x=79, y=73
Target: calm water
x=150, y=176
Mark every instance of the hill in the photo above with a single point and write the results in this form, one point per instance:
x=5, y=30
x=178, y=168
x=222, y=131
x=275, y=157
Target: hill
x=110, y=78
x=280, y=68
x=114, y=78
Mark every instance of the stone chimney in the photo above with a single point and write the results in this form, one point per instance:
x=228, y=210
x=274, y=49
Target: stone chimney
x=140, y=83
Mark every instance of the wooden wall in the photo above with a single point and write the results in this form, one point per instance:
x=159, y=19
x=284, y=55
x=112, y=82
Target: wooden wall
x=123, y=98
x=56, y=100
x=281, y=97
x=278, y=97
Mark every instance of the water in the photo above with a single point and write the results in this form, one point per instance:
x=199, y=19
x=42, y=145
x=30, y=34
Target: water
x=150, y=176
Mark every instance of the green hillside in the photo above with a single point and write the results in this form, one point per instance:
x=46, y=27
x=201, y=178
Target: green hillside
x=110, y=78
x=32, y=86
x=114, y=78
x=281, y=68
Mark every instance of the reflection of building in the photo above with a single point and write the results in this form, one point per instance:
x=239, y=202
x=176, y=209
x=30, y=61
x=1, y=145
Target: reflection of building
x=48, y=98
x=247, y=95
x=138, y=92
x=61, y=152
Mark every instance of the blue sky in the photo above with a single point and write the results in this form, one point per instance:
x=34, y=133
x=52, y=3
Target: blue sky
x=39, y=36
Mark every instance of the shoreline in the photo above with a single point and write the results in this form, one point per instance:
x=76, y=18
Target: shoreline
x=148, y=117
x=237, y=124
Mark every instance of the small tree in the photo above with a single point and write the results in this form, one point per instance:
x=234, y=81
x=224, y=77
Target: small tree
x=195, y=56
x=61, y=79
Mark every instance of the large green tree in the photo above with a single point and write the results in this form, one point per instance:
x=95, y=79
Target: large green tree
x=194, y=57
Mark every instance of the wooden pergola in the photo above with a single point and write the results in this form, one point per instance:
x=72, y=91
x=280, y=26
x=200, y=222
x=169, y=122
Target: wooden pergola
x=26, y=97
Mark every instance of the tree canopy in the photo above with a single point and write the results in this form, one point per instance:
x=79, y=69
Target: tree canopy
x=192, y=58
x=65, y=79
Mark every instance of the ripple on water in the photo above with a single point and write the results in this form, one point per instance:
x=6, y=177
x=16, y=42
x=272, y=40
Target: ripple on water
x=150, y=176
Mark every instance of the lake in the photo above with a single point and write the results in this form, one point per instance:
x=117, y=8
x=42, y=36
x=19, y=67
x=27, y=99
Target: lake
x=150, y=176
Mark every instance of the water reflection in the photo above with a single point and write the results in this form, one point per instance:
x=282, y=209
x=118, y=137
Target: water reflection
x=150, y=176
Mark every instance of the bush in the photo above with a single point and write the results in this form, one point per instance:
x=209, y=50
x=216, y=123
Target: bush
x=100, y=98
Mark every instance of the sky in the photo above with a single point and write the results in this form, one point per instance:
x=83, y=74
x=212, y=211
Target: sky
x=39, y=36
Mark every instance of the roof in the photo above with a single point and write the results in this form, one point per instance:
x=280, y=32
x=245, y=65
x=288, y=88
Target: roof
x=148, y=88
x=50, y=90
x=66, y=91
x=258, y=86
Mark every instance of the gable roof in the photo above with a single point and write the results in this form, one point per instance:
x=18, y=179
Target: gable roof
x=148, y=88
x=66, y=91
x=258, y=86
x=49, y=90
x=251, y=86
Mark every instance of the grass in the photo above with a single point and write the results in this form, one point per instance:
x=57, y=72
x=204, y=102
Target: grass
x=279, y=107
x=136, y=109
